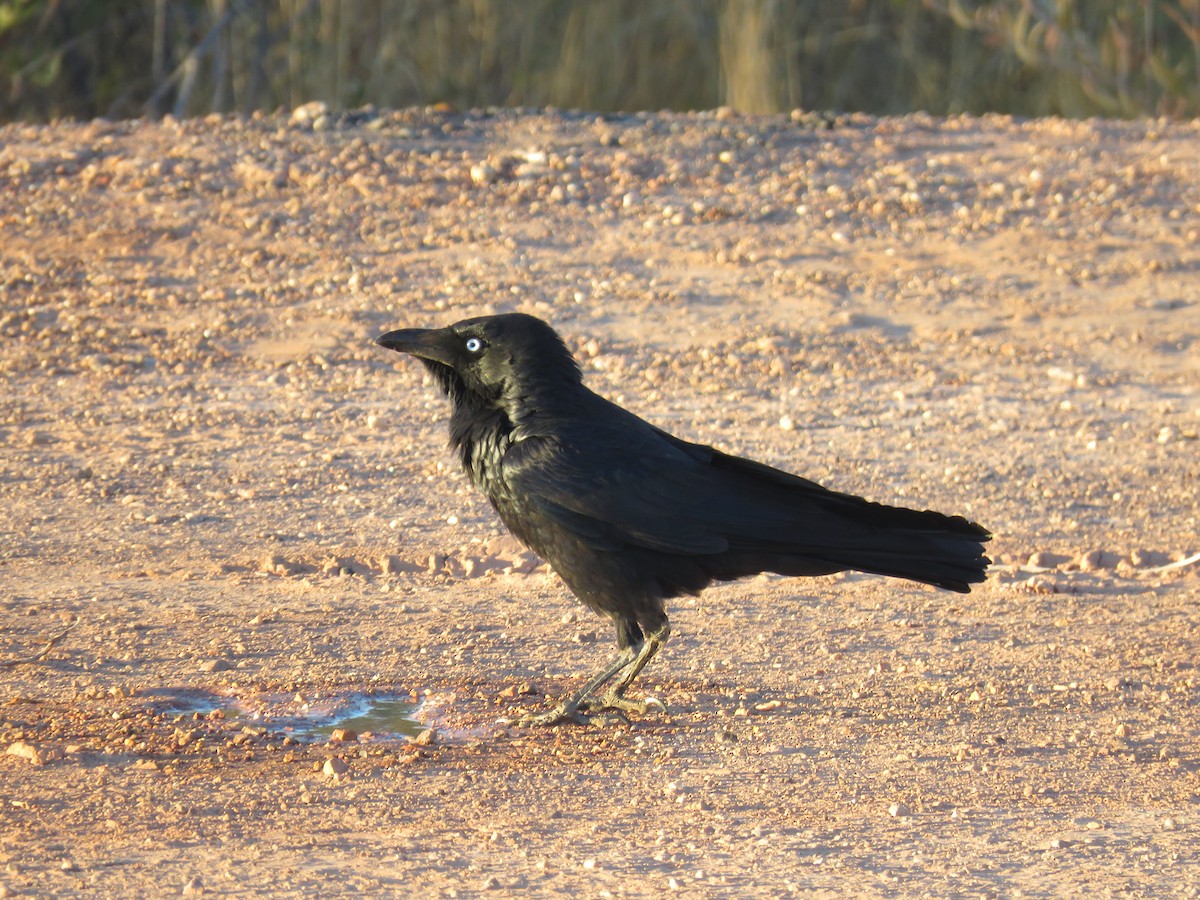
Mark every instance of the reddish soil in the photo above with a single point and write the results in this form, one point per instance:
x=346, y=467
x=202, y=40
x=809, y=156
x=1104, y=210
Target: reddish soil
x=216, y=489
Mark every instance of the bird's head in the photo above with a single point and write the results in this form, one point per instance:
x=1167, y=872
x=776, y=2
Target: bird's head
x=495, y=361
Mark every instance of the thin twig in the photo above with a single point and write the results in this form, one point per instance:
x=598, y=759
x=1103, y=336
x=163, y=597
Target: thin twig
x=41, y=654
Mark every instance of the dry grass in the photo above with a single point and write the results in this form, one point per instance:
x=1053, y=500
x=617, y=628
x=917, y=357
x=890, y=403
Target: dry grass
x=189, y=57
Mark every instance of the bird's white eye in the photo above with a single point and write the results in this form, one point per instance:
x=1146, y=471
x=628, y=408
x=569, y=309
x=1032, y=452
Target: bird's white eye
x=473, y=345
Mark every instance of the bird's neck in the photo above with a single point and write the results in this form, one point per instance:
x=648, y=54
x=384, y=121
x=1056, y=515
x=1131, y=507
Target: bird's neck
x=479, y=433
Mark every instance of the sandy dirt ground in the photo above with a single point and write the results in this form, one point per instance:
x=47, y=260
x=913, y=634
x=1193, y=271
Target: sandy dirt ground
x=226, y=513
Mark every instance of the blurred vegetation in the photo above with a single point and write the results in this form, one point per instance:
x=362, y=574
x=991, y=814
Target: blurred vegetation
x=121, y=58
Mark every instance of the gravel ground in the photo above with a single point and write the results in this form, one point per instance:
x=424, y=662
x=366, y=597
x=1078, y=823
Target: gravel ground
x=226, y=513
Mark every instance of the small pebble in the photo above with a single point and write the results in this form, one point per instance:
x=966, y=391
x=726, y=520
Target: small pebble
x=309, y=112
x=335, y=767
x=483, y=173
x=1145, y=559
x=1095, y=560
x=275, y=564
x=1045, y=560
x=36, y=755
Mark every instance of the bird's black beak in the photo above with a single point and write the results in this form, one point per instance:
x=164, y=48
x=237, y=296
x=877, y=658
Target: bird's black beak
x=435, y=344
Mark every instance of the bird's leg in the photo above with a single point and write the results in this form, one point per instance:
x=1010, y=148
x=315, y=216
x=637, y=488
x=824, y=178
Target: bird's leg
x=570, y=710
x=614, y=697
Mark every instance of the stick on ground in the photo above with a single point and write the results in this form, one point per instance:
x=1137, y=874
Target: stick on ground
x=41, y=654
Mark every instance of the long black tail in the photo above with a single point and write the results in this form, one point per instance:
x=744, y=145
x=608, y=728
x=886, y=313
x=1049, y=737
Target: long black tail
x=924, y=546
x=813, y=530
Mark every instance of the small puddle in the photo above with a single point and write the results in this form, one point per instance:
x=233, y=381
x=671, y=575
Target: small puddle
x=380, y=715
x=383, y=715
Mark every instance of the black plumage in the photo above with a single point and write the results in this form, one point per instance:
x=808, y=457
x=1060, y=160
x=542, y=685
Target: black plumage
x=629, y=515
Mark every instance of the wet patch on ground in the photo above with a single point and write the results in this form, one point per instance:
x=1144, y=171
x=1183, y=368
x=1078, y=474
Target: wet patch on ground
x=377, y=716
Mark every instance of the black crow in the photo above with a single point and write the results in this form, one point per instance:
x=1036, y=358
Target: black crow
x=629, y=515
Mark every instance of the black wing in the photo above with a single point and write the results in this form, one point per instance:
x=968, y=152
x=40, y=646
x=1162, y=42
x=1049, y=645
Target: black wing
x=617, y=482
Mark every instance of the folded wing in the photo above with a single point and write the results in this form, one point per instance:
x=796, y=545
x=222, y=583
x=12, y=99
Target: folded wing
x=663, y=494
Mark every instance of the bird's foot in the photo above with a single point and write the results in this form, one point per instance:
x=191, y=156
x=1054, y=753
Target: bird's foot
x=609, y=709
x=619, y=703
x=567, y=712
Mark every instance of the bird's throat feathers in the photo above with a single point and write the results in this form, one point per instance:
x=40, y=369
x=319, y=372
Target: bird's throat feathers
x=477, y=425
x=486, y=419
